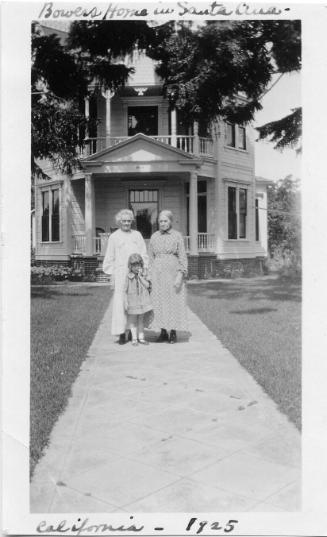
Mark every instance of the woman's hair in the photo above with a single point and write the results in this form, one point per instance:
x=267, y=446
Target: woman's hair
x=133, y=259
x=168, y=214
x=124, y=212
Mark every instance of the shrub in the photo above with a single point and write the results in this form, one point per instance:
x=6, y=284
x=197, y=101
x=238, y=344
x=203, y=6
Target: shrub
x=43, y=274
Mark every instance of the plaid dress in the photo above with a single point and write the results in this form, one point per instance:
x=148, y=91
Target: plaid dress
x=167, y=257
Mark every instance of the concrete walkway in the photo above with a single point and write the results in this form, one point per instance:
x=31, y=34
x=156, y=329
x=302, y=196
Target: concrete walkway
x=168, y=428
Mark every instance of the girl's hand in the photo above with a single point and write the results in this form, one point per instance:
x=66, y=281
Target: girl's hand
x=178, y=280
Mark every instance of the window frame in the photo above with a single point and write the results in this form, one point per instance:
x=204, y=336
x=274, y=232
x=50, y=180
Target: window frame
x=238, y=187
x=50, y=190
x=139, y=106
x=236, y=138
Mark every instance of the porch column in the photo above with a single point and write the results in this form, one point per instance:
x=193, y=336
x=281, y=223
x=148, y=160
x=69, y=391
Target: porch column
x=89, y=214
x=193, y=214
x=173, y=119
x=87, y=114
x=108, y=96
x=196, y=147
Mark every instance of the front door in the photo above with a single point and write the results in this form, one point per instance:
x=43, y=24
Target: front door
x=144, y=204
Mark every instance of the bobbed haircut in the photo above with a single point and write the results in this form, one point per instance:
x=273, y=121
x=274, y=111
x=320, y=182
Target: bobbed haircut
x=124, y=212
x=168, y=214
x=133, y=259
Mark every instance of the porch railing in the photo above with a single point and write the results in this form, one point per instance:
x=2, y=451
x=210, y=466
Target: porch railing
x=206, y=243
x=185, y=143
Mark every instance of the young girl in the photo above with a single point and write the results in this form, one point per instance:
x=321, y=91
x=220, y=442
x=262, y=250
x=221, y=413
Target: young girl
x=137, y=299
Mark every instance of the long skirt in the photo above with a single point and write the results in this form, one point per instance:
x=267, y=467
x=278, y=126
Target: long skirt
x=169, y=304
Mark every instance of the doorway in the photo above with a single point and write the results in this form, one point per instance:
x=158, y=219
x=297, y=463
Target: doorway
x=144, y=204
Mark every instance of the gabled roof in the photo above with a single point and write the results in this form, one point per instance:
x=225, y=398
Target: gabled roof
x=141, y=147
x=263, y=180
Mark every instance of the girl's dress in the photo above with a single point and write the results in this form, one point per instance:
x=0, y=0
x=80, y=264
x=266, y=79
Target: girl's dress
x=167, y=257
x=137, y=297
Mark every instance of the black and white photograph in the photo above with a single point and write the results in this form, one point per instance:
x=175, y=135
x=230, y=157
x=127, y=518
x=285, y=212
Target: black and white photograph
x=159, y=314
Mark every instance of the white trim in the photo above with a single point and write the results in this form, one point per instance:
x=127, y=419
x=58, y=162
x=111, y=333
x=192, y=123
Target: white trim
x=237, y=186
x=50, y=189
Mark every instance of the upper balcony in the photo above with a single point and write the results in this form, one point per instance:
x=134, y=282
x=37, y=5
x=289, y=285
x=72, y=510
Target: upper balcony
x=194, y=145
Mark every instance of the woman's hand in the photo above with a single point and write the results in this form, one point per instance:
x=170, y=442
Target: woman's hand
x=178, y=280
x=112, y=281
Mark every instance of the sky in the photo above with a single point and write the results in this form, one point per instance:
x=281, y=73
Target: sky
x=277, y=103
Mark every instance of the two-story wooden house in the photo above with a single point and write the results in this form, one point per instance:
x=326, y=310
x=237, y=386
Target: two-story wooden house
x=143, y=157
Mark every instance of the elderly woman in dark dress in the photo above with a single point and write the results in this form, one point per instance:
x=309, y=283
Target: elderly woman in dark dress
x=168, y=268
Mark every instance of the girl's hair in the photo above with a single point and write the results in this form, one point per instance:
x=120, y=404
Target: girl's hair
x=168, y=214
x=124, y=212
x=133, y=259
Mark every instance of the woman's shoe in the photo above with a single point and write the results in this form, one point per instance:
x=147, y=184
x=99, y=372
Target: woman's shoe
x=143, y=342
x=163, y=336
x=135, y=342
x=172, y=336
x=122, y=339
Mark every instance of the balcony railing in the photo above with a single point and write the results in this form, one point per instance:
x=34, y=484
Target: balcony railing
x=189, y=144
x=206, y=243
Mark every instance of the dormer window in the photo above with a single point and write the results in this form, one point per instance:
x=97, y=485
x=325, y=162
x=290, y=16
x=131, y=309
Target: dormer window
x=143, y=119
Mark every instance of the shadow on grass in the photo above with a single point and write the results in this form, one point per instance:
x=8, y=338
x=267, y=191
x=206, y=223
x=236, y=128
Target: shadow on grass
x=254, y=311
x=51, y=292
x=279, y=289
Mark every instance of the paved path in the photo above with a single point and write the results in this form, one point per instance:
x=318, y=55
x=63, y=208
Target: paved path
x=168, y=428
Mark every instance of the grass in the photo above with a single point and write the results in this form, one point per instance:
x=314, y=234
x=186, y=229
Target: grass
x=64, y=320
x=259, y=321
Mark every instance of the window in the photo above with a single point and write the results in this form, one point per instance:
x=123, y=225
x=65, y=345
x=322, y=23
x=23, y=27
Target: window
x=50, y=215
x=236, y=136
x=257, y=230
x=202, y=206
x=231, y=135
x=237, y=212
x=143, y=119
x=241, y=137
x=144, y=204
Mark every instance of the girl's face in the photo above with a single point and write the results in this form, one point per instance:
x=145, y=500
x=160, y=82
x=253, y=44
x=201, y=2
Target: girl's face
x=164, y=223
x=136, y=268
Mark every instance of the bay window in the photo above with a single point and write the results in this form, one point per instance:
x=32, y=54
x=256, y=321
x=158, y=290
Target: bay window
x=237, y=212
x=50, y=220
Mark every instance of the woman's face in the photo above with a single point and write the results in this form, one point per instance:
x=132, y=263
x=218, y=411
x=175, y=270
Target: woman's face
x=164, y=223
x=126, y=222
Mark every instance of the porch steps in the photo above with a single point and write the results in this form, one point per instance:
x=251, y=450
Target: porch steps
x=100, y=276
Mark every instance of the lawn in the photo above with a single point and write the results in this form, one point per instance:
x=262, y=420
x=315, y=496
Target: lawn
x=64, y=320
x=259, y=321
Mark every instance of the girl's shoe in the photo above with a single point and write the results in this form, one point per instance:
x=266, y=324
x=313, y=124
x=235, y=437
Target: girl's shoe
x=172, y=336
x=163, y=336
x=143, y=342
x=135, y=342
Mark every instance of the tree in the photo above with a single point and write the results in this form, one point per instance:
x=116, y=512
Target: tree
x=285, y=132
x=207, y=70
x=284, y=217
x=62, y=74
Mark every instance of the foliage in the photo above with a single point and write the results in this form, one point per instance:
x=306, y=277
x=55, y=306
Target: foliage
x=64, y=73
x=284, y=219
x=207, y=69
x=285, y=132
x=43, y=274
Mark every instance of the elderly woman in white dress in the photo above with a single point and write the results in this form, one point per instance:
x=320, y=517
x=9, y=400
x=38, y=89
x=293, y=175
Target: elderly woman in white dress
x=121, y=244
